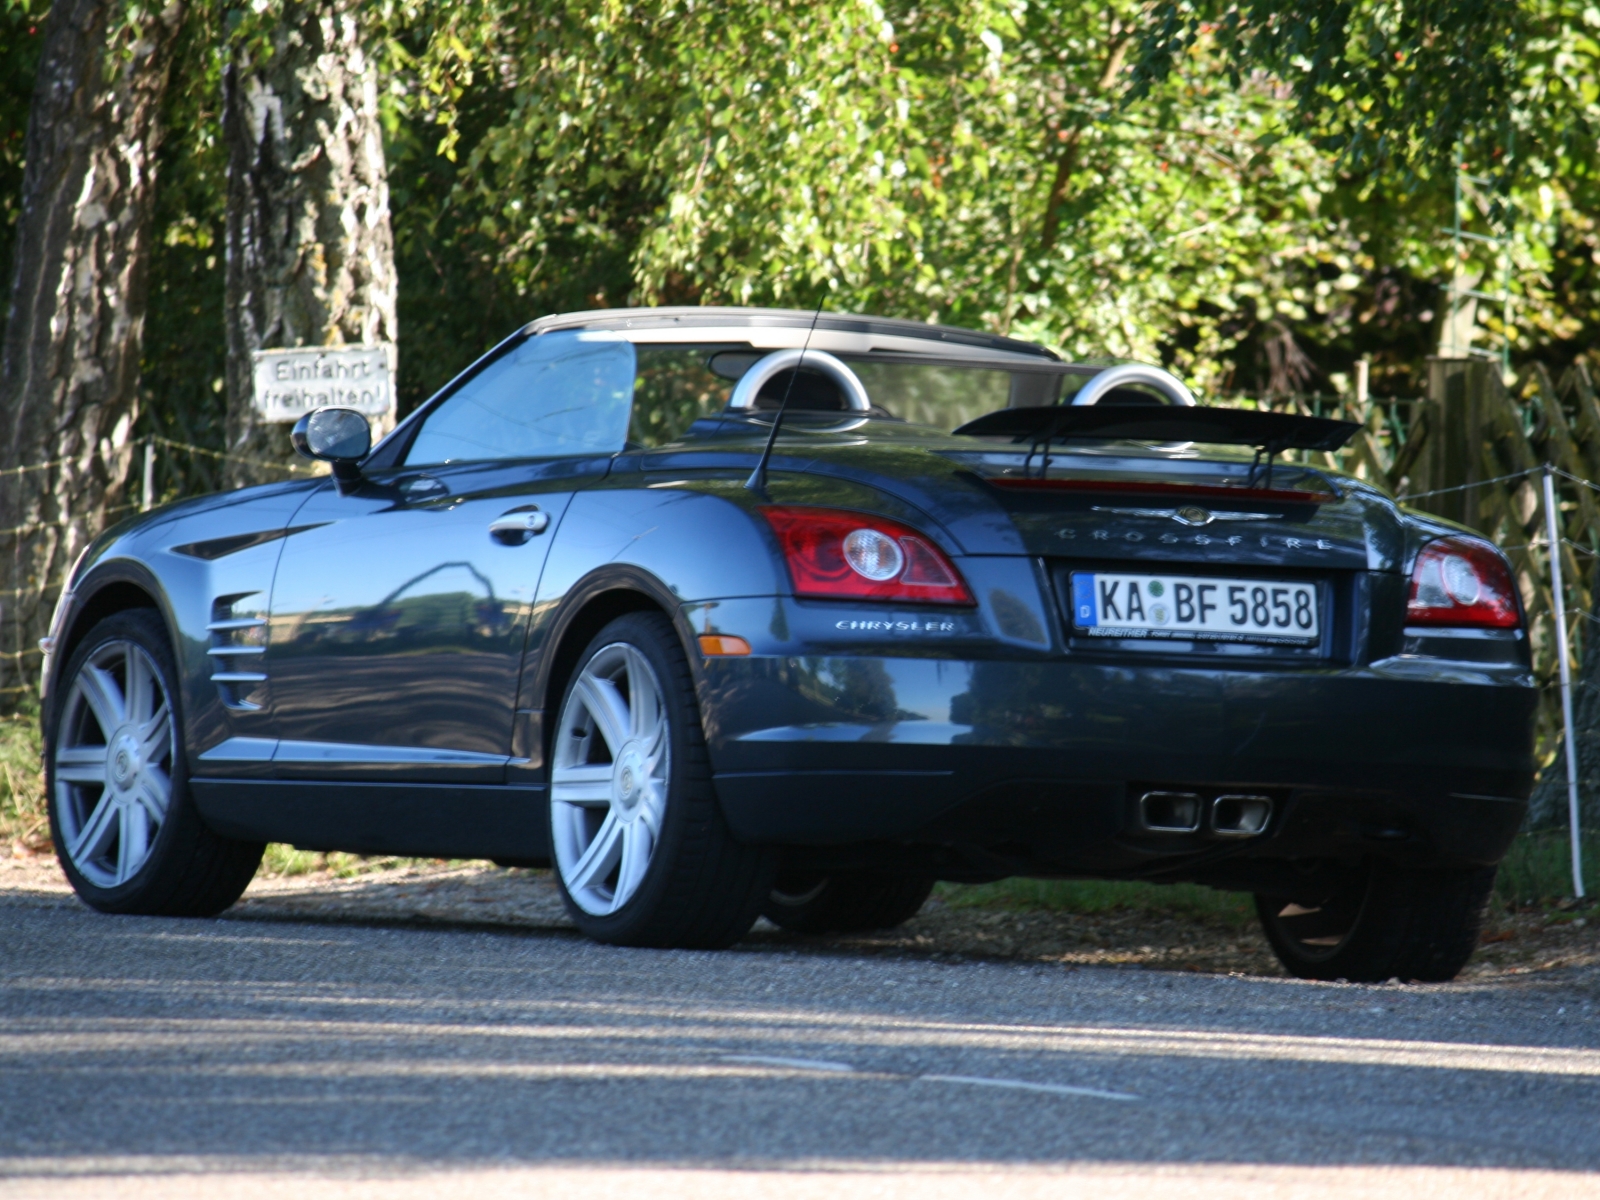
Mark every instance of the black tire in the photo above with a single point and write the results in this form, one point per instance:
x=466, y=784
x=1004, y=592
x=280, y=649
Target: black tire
x=1385, y=922
x=847, y=902
x=702, y=889
x=189, y=871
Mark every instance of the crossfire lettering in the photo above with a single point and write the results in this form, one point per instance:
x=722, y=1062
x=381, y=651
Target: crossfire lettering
x=1204, y=539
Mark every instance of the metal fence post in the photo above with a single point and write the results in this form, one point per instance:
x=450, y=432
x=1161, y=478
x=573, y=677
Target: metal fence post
x=1552, y=532
x=147, y=490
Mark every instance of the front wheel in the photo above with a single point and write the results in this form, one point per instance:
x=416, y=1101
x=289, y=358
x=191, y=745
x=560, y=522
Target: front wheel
x=126, y=831
x=1381, y=922
x=643, y=856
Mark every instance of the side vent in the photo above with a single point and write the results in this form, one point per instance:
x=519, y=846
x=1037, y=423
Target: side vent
x=237, y=644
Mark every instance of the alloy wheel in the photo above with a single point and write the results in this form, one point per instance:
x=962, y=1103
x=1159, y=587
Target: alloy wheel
x=608, y=779
x=113, y=763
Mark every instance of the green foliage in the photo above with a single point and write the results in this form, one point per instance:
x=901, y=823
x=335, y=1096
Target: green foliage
x=1240, y=189
x=983, y=164
x=1416, y=86
x=181, y=380
x=960, y=162
x=1379, y=81
x=20, y=39
x=455, y=301
x=1398, y=96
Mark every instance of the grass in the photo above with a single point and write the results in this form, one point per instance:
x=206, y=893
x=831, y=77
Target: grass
x=1537, y=870
x=22, y=812
x=281, y=862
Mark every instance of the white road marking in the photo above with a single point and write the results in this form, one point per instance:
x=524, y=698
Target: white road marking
x=1055, y=1089
x=804, y=1064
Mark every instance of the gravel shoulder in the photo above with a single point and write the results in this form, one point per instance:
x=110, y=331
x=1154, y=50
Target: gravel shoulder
x=477, y=894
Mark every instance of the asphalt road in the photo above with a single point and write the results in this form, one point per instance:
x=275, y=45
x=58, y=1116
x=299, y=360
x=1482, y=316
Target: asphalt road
x=250, y=1057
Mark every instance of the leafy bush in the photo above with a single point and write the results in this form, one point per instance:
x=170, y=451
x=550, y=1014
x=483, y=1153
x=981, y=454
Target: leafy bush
x=22, y=810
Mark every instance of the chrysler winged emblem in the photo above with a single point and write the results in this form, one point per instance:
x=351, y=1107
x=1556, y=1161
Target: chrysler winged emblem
x=1191, y=515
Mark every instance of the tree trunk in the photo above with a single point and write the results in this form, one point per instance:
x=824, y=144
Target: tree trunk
x=310, y=255
x=69, y=367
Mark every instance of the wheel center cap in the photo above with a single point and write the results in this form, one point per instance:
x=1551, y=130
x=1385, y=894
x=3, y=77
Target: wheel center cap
x=124, y=759
x=628, y=780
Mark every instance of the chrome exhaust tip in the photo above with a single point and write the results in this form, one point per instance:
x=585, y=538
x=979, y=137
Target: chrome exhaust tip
x=1170, y=812
x=1240, y=816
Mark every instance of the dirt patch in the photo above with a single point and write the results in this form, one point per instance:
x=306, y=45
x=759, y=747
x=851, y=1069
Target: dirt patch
x=1514, y=943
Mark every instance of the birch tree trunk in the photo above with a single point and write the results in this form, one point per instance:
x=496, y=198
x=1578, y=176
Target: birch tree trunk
x=69, y=366
x=310, y=255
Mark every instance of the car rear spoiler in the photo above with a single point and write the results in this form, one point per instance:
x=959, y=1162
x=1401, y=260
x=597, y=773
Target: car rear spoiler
x=1269, y=432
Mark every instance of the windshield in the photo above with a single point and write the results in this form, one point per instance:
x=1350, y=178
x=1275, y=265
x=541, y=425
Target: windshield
x=676, y=385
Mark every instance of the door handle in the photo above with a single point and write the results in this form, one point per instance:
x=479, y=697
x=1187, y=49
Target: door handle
x=518, y=525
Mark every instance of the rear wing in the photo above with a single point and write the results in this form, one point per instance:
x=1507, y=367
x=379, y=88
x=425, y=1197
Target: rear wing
x=1270, y=433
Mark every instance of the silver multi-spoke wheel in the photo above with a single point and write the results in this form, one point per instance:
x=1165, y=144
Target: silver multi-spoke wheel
x=113, y=763
x=608, y=780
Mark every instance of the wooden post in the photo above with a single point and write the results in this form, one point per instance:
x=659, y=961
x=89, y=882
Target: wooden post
x=1459, y=396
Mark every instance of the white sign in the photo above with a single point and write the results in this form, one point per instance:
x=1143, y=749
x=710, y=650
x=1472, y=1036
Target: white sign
x=291, y=383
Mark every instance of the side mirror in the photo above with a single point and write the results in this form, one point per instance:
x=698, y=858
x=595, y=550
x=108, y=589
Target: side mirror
x=339, y=436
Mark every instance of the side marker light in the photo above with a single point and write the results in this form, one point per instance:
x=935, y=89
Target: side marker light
x=721, y=645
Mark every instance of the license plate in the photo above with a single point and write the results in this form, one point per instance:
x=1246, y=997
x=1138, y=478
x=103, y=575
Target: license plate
x=1127, y=604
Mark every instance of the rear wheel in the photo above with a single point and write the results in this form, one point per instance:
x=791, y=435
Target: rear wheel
x=848, y=902
x=1383, y=922
x=642, y=854
x=126, y=830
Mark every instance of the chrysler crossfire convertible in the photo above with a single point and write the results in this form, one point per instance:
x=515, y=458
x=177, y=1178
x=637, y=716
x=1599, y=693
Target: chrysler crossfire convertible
x=723, y=613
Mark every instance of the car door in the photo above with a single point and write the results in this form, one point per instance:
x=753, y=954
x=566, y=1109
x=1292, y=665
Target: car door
x=400, y=610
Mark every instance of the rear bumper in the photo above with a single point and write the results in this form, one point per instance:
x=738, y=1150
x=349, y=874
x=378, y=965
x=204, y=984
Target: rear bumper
x=1013, y=766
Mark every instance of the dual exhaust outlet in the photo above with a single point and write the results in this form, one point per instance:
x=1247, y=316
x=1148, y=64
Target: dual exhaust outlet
x=1185, y=812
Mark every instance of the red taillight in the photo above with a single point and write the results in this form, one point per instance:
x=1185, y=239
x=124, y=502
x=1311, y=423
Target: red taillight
x=839, y=555
x=1462, y=581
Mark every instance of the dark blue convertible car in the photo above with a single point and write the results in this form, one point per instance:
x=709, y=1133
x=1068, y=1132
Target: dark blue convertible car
x=724, y=612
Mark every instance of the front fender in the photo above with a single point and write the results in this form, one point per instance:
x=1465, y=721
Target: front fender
x=89, y=602
x=186, y=558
